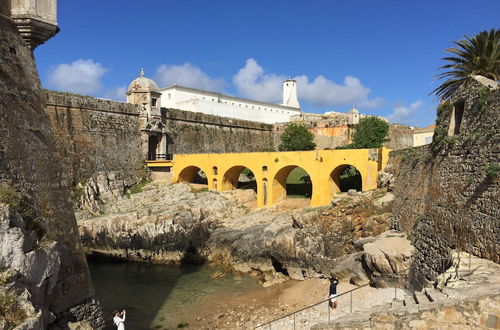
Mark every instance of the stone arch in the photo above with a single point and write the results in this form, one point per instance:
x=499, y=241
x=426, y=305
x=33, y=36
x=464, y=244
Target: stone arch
x=336, y=183
x=231, y=177
x=279, y=185
x=190, y=174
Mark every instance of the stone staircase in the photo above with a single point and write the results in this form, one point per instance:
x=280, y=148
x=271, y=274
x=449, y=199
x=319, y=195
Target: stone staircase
x=462, y=286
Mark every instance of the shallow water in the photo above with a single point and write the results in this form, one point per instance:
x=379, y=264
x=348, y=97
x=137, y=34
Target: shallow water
x=161, y=296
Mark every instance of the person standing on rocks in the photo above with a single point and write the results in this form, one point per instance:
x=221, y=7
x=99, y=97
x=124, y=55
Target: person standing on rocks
x=119, y=319
x=333, y=293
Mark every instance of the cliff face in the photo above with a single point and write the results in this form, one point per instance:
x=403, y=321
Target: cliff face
x=447, y=194
x=35, y=189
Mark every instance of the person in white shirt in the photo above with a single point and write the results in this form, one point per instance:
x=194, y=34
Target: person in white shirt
x=119, y=320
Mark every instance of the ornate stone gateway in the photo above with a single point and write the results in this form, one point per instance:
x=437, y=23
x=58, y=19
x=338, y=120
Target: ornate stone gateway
x=271, y=170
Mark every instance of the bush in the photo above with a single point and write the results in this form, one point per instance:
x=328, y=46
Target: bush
x=371, y=132
x=493, y=170
x=296, y=137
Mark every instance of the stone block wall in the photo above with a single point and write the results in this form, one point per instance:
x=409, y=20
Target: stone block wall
x=401, y=137
x=194, y=132
x=99, y=143
x=448, y=193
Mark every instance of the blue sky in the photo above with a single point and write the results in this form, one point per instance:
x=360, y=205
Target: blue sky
x=381, y=56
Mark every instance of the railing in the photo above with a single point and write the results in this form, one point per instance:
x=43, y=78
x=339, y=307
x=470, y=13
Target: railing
x=154, y=156
x=445, y=263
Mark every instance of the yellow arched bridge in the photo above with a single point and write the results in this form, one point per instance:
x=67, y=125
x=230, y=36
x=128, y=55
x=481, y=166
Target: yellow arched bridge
x=271, y=170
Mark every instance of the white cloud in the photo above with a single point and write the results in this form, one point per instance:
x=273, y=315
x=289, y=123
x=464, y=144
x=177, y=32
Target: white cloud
x=81, y=76
x=117, y=93
x=188, y=75
x=252, y=82
x=405, y=114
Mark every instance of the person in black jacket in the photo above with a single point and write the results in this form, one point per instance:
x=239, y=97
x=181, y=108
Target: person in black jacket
x=333, y=292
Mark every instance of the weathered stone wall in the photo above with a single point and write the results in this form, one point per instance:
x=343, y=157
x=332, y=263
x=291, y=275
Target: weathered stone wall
x=400, y=137
x=332, y=131
x=100, y=145
x=194, y=132
x=31, y=166
x=448, y=193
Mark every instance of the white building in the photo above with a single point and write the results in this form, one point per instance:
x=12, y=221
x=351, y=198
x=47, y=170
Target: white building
x=197, y=100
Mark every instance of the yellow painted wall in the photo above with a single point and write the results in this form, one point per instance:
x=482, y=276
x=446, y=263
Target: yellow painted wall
x=272, y=168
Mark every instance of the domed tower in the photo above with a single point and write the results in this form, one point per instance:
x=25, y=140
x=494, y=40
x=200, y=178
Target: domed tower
x=145, y=92
x=353, y=116
x=290, y=93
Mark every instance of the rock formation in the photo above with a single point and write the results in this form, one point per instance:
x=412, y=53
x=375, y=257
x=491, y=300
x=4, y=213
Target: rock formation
x=176, y=223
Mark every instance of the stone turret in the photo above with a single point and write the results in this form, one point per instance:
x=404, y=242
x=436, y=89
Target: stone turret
x=353, y=116
x=145, y=92
x=36, y=20
x=290, y=93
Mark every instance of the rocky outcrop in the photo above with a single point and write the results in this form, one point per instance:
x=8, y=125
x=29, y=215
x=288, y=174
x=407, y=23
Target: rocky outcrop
x=176, y=223
x=390, y=254
x=54, y=274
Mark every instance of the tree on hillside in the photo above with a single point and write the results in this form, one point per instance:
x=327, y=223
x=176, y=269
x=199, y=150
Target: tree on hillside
x=296, y=137
x=479, y=55
x=371, y=132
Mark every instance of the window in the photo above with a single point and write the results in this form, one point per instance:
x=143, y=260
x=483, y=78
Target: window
x=169, y=96
x=215, y=170
x=153, y=102
x=264, y=169
x=456, y=119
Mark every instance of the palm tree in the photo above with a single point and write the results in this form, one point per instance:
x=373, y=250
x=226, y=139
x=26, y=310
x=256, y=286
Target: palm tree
x=479, y=55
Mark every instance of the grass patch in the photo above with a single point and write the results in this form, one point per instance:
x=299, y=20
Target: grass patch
x=296, y=176
x=182, y=325
x=137, y=188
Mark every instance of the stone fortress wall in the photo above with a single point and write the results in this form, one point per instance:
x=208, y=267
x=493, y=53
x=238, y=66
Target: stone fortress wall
x=194, y=132
x=41, y=249
x=100, y=142
x=100, y=145
x=447, y=193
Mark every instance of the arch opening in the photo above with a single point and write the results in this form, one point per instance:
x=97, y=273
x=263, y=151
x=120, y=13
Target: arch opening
x=193, y=174
x=345, y=177
x=239, y=177
x=292, y=182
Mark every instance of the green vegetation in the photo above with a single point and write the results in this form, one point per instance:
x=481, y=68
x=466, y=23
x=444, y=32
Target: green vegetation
x=10, y=311
x=9, y=196
x=493, y=170
x=440, y=132
x=298, y=184
x=137, y=188
x=350, y=178
x=371, y=132
x=78, y=190
x=24, y=206
x=182, y=325
x=296, y=137
x=479, y=55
